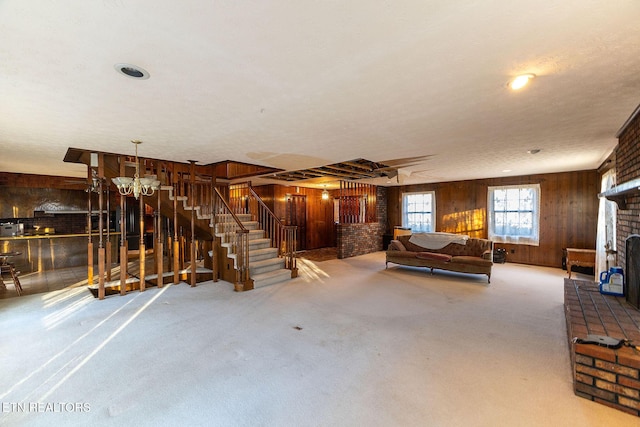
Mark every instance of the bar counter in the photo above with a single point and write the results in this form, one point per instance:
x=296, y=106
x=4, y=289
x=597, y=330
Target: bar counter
x=52, y=251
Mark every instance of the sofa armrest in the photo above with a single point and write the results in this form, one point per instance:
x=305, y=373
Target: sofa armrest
x=396, y=245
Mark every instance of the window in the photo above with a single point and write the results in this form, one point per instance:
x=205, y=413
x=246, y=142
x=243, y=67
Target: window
x=419, y=211
x=514, y=214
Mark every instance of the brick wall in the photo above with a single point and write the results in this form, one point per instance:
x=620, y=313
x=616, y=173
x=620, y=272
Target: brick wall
x=359, y=239
x=627, y=169
x=608, y=376
x=363, y=238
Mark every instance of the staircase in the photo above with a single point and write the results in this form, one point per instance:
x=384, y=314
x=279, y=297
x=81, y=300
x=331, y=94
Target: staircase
x=265, y=266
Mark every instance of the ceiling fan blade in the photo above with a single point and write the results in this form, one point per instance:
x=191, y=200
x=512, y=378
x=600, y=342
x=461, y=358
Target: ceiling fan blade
x=392, y=173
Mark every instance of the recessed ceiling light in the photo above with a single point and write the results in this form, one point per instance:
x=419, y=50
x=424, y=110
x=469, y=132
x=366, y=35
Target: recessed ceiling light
x=132, y=71
x=521, y=81
x=534, y=151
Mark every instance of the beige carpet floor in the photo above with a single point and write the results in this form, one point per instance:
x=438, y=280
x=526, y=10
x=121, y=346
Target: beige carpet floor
x=348, y=343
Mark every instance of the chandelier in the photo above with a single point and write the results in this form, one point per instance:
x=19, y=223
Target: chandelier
x=136, y=185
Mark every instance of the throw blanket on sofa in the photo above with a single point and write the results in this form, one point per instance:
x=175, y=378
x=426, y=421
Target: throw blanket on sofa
x=437, y=240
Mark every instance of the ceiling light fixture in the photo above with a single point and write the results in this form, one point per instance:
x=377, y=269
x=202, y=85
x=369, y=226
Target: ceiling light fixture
x=136, y=185
x=132, y=71
x=521, y=81
x=325, y=193
x=534, y=151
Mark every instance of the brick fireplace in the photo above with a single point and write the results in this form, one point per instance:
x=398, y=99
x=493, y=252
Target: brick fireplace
x=607, y=375
x=604, y=375
x=632, y=267
x=628, y=199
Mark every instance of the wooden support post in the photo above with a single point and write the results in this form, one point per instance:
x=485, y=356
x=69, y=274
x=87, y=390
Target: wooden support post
x=192, y=175
x=176, y=245
x=142, y=248
x=101, y=255
x=214, y=240
x=193, y=263
x=142, y=267
x=123, y=269
x=101, y=275
x=169, y=252
x=108, y=261
x=159, y=250
x=176, y=262
x=183, y=244
x=90, y=242
x=90, y=263
x=124, y=256
x=160, y=262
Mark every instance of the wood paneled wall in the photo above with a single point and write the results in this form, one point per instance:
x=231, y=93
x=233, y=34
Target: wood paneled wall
x=568, y=212
x=320, y=230
x=21, y=195
x=24, y=180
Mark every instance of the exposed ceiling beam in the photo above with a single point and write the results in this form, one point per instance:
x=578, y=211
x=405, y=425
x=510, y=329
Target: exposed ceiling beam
x=351, y=171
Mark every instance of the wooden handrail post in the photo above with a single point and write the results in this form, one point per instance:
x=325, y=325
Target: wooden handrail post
x=291, y=232
x=243, y=279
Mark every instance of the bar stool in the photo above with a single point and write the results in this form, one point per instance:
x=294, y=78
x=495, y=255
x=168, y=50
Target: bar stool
x=8, y=267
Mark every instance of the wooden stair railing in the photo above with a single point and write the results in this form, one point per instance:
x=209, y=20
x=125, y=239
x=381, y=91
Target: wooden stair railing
x=189, y=188
x=244, y=199
x=234, y=236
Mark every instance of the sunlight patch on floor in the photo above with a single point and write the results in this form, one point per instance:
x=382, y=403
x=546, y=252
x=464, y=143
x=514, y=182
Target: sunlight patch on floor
x=115, y=333
x=66, y=349
x=309, y=271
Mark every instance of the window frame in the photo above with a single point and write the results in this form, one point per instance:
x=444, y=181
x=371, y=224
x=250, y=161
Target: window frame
x=404, y=211
x=534, y=238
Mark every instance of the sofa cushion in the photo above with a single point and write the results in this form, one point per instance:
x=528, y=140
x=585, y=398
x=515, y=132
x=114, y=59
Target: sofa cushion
x=402, y=254
x=396, y=245
x=471, y=260
x=434, y=256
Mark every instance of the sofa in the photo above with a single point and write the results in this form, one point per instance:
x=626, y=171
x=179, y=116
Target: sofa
x=468, y=255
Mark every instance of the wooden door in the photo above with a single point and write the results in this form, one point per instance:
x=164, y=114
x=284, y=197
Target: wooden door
x=297, y=215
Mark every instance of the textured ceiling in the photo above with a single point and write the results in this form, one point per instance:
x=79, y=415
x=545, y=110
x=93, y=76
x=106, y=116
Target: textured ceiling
x=302, y=84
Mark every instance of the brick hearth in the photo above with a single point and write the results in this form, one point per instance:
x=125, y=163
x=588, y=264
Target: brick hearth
x=604, y=375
